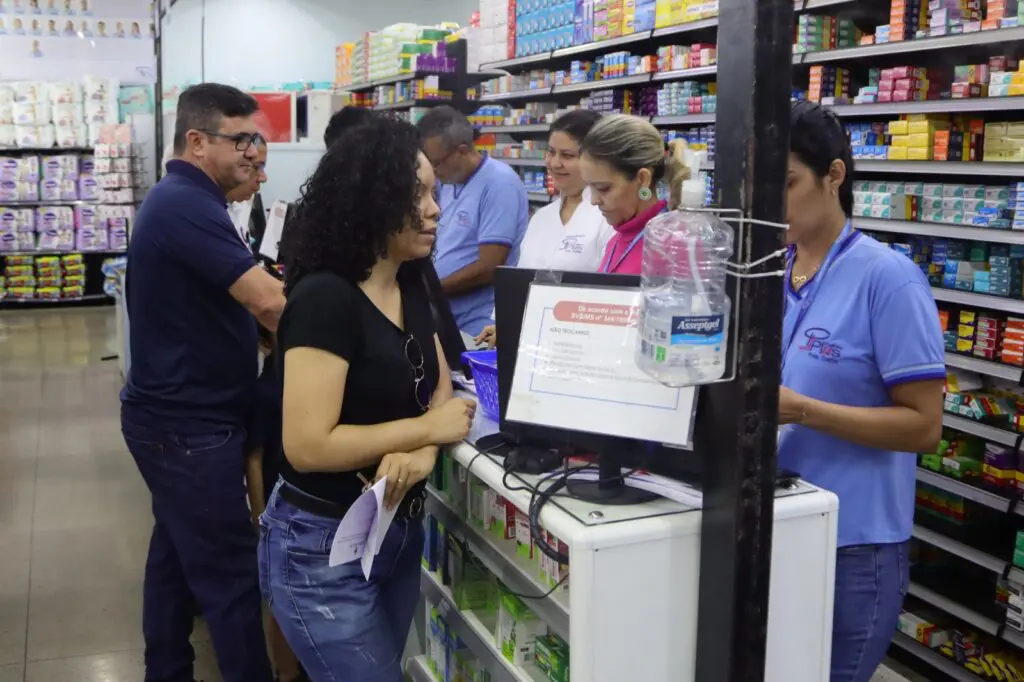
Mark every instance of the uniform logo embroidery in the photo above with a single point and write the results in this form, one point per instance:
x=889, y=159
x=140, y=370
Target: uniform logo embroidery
x=572, y=243
x=462, y=218
x=819, y=347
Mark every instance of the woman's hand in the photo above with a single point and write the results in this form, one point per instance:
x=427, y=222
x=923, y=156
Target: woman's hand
x=488, y=336
x=450, y=422
x=792, y=406
x=404, y=470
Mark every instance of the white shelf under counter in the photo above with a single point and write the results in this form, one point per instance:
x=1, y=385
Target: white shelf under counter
x=633, y=583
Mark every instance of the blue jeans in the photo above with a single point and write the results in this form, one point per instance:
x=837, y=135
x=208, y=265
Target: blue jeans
x=202, y=551
x=871, y=582
x=342, y=627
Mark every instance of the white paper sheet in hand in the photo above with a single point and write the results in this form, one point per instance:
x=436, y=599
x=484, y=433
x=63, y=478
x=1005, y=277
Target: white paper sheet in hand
x=361, y=532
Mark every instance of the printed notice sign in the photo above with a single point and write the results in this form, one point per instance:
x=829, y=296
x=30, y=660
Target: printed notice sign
x=575, y=369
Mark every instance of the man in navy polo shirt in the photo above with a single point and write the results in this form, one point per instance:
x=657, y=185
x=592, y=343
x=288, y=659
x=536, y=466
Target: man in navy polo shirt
x=484, y=213
x=194, y=294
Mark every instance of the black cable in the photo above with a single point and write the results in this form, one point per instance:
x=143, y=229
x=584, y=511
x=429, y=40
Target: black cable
x=540, y=596
x=541, y=497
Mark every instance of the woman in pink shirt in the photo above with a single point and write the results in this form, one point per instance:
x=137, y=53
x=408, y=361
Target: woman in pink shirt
x=623, y=160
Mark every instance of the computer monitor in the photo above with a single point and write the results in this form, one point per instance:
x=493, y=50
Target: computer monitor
x=512, y=288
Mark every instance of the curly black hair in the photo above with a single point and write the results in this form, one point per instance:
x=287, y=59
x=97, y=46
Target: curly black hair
x=362, y=191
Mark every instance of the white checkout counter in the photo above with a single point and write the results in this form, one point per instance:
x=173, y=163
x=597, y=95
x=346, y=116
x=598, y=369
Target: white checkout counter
x=630, y=610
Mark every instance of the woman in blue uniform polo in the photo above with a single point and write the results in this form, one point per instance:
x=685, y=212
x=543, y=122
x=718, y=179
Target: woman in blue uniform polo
x=862, y=378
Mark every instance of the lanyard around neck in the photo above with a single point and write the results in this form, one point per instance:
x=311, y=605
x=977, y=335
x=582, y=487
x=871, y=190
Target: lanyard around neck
x=607, y=267
x=810, y=290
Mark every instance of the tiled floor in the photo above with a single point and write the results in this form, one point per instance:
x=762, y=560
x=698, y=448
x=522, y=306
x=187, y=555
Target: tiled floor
x=74, y=519
x=74, y=513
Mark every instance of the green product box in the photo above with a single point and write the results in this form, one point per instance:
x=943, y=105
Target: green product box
x=1019, y=544
x=1018, y=557
x=932, y=462
x=473, y=586
x=479, y=504
x=552, y=657
x=517, y=630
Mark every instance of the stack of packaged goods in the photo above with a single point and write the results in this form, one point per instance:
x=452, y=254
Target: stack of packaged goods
x=674, y=12
x=537, y=79
x=608, y=16
x=527, y=149
x=495, y=39
x=552, y=657
x=701, y=138
x=113, y=274
x=619, y=101
x=63, y=114
x=448, y=657
x=542, y=26
x=983, y=659
x=953, y=203
x=1005, y=77
x=1004, y=142
x=50, y=278
x=407, y=48
x=906, y=18
x=361, y=60
x=679, y=57
x=343, y=64
x=639, y=15
x=996, y=402
x=828, y=84
x=680, y=98
x=426, y=88
x=818, y=33
x=932, y=137
x=947, y=16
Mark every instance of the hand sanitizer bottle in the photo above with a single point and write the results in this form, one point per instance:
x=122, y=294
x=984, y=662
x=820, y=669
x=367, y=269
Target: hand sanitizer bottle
x=684, y=315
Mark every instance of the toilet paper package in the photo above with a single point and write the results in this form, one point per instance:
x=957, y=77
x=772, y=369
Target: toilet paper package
x=86, y=217
x=92, y=239
x=87, y=188
x=50, y=190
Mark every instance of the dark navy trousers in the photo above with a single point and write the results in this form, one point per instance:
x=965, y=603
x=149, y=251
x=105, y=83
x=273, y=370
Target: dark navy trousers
x=202, y=553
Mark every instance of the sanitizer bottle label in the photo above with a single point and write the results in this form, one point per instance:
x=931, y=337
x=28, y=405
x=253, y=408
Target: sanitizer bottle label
x=698, y=330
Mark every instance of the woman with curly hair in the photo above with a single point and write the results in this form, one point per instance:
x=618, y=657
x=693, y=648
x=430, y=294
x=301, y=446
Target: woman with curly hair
x=367, y=396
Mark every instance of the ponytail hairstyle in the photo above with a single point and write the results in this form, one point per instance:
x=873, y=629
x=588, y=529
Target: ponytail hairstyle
x=629, y=144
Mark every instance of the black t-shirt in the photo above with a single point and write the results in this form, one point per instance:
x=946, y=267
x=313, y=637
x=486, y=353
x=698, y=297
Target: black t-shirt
x=326, y=312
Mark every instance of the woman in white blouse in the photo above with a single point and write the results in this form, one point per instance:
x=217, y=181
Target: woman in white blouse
x=570, y=233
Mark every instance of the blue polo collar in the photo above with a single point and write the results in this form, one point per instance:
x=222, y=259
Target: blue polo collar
x=197, y=176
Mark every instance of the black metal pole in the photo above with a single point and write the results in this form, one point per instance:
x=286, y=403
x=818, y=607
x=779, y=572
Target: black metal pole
x=737, y=426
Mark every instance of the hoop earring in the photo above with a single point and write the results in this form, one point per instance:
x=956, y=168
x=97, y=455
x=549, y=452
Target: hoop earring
x=645, y=194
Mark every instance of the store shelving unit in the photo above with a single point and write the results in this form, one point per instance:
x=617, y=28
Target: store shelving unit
x=947, y=50
x=93, y=258
x=965, y=490
x=609, y=548
x=933, y=659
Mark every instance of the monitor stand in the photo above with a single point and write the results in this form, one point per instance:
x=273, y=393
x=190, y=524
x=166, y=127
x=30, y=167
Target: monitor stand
x=610, y=488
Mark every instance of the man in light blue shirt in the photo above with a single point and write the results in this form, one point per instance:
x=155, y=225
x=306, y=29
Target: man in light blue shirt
x=484, y=213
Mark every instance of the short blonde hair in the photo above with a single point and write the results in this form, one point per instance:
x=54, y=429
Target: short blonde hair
x=630, y=144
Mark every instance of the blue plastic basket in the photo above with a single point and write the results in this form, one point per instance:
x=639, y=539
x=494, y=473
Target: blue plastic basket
x=484, y=364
